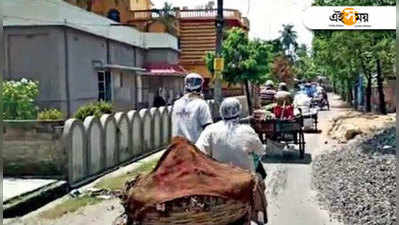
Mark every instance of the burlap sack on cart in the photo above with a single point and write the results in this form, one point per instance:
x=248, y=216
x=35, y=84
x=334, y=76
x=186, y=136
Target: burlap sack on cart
x=183, y=171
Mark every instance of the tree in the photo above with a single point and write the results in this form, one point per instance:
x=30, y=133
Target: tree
x=282, y=69
x=245, y=61
x=166, y=16
x=342, y=54
x=288, y=41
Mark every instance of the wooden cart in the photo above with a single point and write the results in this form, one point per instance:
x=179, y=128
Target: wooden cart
x=288, y=131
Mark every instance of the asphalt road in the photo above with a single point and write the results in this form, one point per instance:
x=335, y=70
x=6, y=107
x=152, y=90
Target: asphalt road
x=292, y=201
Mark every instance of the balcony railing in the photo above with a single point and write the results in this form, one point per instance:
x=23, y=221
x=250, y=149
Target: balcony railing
x=190, y=14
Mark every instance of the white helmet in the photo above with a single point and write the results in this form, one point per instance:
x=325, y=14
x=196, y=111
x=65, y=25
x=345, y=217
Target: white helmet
x=269, y=83
x=282, y=86
x=193, y=82
x=230, y=109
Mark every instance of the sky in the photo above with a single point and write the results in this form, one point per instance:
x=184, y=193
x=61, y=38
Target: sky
x=266, y=16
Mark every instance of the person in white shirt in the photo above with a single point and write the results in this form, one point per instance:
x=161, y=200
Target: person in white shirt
x=191, y=114
x=230, y=142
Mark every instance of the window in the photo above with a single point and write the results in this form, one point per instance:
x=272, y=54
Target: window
x=114, y=15
x=121, y=80
x=104, y=86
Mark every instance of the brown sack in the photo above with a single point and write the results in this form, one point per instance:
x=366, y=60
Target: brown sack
x=184, y=171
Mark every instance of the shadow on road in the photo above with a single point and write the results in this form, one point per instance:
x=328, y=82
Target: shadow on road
x=288, y=157
x=312, y=131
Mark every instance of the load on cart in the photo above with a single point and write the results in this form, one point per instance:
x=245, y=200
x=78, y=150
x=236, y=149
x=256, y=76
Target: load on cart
x=280, y=125
x=303, y=105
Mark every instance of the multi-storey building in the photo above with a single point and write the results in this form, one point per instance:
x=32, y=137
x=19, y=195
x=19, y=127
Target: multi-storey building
x=194, y=28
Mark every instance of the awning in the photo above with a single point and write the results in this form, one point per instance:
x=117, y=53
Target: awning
x=164, y=70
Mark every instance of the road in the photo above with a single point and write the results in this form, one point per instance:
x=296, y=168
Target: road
x=289, y=186
x=292, y=201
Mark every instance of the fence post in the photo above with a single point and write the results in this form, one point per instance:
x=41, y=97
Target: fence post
x=124, y=151
x=95, y=145
x=74, y=139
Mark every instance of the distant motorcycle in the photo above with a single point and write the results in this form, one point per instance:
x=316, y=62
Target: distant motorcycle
x=320, y=101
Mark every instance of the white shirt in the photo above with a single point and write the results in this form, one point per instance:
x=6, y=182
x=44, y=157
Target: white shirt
x=231, y=142
x=190, y=114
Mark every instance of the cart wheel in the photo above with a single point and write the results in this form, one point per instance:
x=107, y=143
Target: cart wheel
x=302, y=146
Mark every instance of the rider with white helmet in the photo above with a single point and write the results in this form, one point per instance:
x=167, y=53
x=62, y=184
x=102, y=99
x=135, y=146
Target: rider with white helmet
x=191, y=114
x=230, y=142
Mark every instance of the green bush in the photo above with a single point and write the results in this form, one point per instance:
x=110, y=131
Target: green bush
x=18, y=99
x=96, y=109
x=50, y=114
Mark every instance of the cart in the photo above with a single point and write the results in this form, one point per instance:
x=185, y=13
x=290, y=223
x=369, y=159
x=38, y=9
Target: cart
x=315, y=118
x=288, y=131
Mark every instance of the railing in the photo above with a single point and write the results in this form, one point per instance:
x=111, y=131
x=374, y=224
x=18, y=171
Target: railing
x=189, y=13
x=97, y=145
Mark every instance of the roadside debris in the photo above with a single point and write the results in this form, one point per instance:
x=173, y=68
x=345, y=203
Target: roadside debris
x=358, y=185
x=351, y=124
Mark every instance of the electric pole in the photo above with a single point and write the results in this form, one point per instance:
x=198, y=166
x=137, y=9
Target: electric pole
x=217, y=91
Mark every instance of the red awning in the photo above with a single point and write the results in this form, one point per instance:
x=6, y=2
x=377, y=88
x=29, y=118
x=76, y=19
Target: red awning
x=165, y=70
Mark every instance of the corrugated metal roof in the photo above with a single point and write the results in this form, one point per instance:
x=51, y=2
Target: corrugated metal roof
x=58, y=12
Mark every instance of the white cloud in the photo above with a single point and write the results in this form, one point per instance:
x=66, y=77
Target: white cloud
x=266, y=16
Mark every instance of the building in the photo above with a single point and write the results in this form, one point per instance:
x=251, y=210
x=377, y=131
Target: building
x=194, y=28
x=196, y=31
x=117, y=10
x=80, y=57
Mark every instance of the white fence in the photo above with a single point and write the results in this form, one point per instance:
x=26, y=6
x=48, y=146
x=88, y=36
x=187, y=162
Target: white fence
x=97, y=145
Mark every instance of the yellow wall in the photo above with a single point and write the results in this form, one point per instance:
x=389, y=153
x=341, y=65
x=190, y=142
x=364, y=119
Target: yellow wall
x=123, y=6
x=140, y=4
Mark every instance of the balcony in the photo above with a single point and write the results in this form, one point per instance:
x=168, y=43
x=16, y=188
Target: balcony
x=229, y=14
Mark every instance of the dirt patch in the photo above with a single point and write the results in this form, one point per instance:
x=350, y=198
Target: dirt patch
x=348, y=125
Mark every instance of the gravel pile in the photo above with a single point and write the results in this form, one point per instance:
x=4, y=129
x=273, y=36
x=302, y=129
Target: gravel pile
x=357, y=184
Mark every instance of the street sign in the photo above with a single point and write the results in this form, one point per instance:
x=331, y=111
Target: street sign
x=219, y=64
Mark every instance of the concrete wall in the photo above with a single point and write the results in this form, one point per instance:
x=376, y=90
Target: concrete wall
x=121, y=54
x=83, y=49
x=33, y=148
x=124, y=85
x=38, y=54
x=94, y=146
x=140, y=57
x=161, y=56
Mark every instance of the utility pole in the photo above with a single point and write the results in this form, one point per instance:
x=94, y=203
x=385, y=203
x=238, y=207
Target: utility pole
x=217, y=91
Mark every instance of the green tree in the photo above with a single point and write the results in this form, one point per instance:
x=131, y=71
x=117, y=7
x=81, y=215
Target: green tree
x=246, y=61
x=167, y=17
x=344, y=54
x=288, y=41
